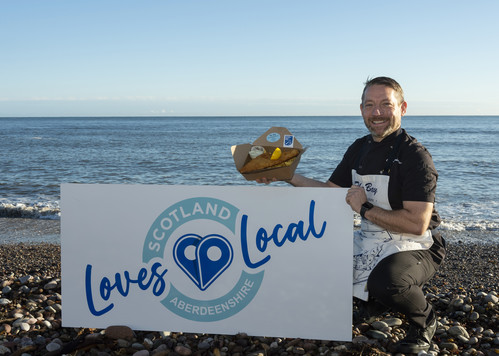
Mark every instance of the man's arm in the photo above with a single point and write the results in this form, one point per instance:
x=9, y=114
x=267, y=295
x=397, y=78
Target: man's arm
x=301, y=181
x=414, y=217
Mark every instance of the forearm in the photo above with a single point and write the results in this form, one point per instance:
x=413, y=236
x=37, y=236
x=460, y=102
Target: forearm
x=301, y=181
x=414, y=217
x=401, y=221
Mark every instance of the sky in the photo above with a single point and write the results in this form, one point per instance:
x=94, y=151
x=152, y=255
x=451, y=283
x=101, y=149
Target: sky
x=244, y=57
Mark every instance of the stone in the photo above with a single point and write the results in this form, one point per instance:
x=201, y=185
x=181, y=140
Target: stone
x=457, y=330
x=165, y=334
x=4, y=350
x=473, y=340
x=457, y=303
x=474, y=316
x=361, y=339
x=378, y=335
x=141, y=353
x=467, y=308
x=50, y=285
x=391, y=322
x=204, y=345
x=53, y=346
x=161, y=348
x=122, y=343
x=116, y=332
x=148, y=343
x=463, y=339
x=24, y=326
x=298, y=350
x=449, y=346
x=380, y=325
x=138, y=346
x=7, y=328
x=182, y=350
x=25, y=279
x=309, y=346
x=4, y=301
x=491, y=298
x=488, y=333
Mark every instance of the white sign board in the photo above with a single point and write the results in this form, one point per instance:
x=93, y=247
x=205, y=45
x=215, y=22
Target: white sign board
x=267, y=261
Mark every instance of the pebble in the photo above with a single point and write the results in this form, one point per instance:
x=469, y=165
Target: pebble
x=116, y=332
x=24, y=279
x=449, y=346
x=141, y=353
x=183, y=351
x=465, y=301
x=458, y=331
x=491, y=297
x=376, y=334
x=204, y=345
x=380, y=325
x=53, y=346
x=391, y=322
x=51, y=285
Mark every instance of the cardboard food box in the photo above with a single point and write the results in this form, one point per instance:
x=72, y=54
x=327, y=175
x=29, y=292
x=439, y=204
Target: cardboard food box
x=274, y=137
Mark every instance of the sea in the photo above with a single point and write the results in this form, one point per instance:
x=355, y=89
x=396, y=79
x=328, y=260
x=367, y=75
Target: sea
x=38, y=154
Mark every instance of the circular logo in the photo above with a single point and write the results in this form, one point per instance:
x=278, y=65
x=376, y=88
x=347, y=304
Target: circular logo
x=179, y=238
x=273, y=137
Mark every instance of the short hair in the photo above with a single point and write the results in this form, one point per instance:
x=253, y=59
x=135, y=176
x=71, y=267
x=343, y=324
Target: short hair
x=386, y=81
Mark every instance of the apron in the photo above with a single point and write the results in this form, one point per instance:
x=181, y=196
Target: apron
x=373, y=243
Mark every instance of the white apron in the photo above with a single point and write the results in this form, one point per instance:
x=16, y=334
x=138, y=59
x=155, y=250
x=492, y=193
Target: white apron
x=373, y=243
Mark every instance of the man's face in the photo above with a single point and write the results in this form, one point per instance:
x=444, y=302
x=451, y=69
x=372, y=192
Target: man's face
x=382, y=111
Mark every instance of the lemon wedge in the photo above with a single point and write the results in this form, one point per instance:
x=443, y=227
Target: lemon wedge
x=276, y=154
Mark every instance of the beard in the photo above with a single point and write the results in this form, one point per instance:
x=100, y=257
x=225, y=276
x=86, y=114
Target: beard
x=381, y=127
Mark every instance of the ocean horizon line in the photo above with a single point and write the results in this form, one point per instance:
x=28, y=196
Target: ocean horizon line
x=225, y=116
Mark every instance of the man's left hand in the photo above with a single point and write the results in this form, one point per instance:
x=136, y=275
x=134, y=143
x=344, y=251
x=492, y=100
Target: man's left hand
x=356, y=196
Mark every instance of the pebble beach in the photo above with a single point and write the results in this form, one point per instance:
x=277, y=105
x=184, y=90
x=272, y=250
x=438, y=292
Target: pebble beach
x=464, y=294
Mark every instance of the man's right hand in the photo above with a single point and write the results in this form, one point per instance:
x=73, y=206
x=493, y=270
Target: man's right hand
x=265, y=180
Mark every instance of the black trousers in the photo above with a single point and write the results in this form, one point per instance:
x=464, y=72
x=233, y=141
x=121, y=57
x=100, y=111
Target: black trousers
x=397, y=281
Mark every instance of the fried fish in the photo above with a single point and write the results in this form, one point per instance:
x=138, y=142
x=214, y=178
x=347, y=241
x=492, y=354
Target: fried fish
x=264, y=160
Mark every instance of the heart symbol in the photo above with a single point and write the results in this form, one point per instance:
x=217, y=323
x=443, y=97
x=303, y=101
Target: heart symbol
x=203, y=259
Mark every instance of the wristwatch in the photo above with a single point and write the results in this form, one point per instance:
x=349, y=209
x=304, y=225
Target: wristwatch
x=365, y=207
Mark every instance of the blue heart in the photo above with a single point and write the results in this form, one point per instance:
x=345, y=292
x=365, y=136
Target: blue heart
x=207, y=259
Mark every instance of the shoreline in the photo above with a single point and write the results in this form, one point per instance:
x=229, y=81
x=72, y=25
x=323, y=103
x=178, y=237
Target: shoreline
x=464, y=293
x=27, y=230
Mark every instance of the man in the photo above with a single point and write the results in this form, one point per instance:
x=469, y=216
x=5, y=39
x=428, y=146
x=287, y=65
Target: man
x=392, y=181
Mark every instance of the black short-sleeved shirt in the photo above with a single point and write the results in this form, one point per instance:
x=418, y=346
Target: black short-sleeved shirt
x=413, y=176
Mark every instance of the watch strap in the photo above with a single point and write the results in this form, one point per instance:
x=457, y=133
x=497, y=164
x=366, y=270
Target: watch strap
x=364, y=208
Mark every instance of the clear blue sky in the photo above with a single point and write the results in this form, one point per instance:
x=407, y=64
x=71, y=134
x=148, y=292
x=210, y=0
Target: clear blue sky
x=244, y=57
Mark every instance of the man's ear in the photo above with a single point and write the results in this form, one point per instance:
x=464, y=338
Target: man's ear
x=403, y=108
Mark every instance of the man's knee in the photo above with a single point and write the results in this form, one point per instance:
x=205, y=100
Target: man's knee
x=385, y=289
x=387, y=281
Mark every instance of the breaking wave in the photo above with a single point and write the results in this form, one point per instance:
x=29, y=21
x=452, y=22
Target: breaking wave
x=32, y=211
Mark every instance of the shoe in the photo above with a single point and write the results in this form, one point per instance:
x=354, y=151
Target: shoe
x=418, y=338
